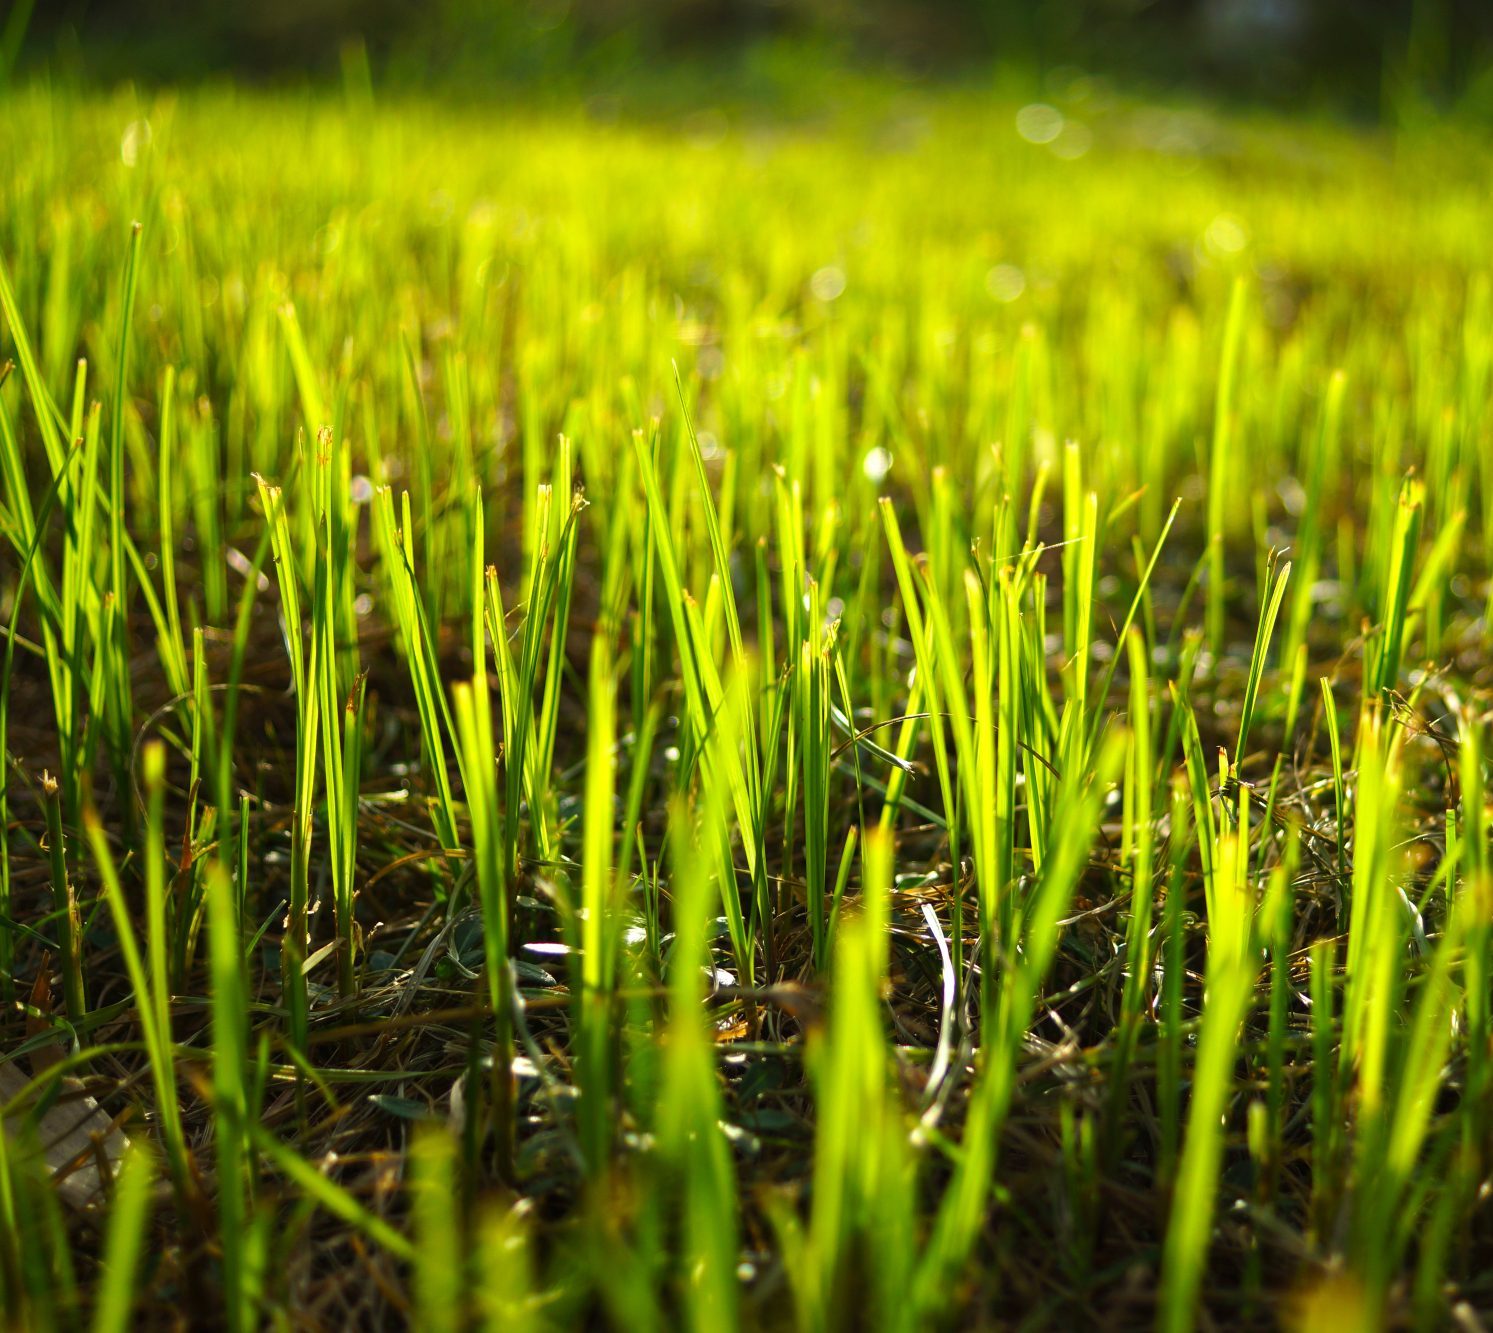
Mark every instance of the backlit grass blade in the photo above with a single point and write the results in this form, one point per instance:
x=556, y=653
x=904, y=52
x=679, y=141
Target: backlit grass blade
x=928, y=685
x=1276, y=590
x=303, y=675
x=440, y=1296
x=1383, y=662
x=129, y=1215
x=474, y=731
x=1140, y=834
x=1230, y=979
x=172, y=646
x=695, y=672
x=689, y=1133
x=152, y=1007
x=396, y=542
x=120, y=725
x=230, y=1098
x=69, y=924
x=327, y=1194
x=599, y=926
x=862, y=1171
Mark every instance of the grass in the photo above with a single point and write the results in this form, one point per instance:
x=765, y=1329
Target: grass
x=713, y=724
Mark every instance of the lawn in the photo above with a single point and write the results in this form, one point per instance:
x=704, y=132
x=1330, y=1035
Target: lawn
x=872, y=715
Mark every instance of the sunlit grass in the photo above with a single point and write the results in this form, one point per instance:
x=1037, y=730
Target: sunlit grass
x=861, y=722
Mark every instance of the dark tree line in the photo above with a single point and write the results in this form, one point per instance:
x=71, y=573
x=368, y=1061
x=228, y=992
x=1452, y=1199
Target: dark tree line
x=1279, y=48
